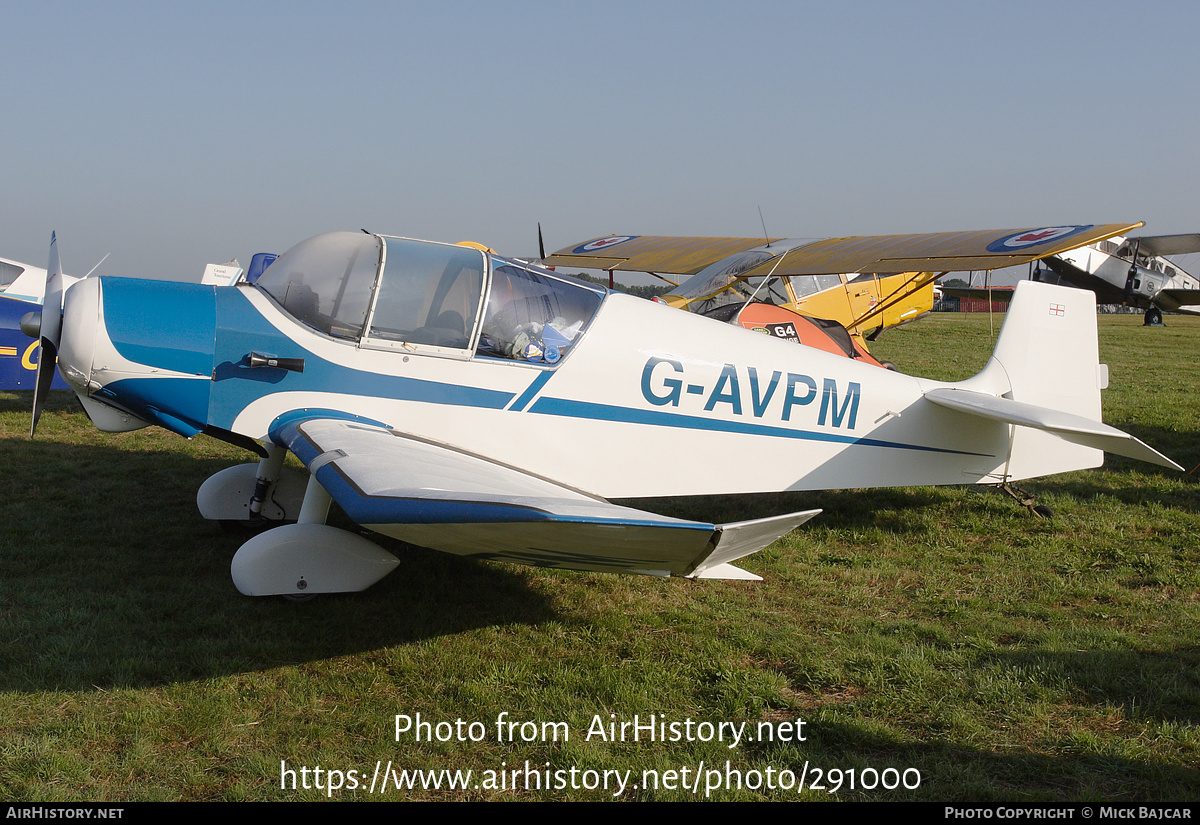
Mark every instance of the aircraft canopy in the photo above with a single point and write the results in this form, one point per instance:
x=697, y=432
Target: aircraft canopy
x=389, y=292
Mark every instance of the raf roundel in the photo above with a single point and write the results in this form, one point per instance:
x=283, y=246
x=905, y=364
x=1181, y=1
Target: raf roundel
x=603, y=243
x=1034, y=237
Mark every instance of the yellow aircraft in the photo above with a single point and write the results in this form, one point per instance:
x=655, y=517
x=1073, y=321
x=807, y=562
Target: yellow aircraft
x=866, y=283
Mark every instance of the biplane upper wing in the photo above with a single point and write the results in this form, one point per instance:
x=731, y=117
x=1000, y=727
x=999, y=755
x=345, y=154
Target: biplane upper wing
x=935, y=252
x=463, y=503
x=1162, y=244
x=652, y=253
x=929, y=256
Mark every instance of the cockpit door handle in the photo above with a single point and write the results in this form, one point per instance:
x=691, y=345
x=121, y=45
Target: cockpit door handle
x=257, y=359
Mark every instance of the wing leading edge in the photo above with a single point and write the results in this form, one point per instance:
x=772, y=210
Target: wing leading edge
x=933, y=252
x=435, y=495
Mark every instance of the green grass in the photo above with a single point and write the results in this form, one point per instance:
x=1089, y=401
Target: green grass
x=943, y=630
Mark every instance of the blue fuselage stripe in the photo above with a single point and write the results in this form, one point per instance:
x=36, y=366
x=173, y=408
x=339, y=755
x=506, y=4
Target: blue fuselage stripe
x=531, y=391
x=607, y=412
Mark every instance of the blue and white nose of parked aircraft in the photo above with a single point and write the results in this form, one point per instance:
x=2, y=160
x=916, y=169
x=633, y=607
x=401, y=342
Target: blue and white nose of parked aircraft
x=459, y=400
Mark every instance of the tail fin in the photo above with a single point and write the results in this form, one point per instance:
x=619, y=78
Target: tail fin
x=1045, y=377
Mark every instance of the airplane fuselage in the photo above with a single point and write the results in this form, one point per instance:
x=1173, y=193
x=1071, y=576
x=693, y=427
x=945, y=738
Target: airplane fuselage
x=650, y=402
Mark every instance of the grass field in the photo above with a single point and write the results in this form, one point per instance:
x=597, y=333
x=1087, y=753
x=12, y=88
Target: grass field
x=942, y=642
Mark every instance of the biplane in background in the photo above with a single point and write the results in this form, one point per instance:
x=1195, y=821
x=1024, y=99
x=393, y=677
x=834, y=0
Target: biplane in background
x=866, y=284
x=479, y=405
x=1134, y=272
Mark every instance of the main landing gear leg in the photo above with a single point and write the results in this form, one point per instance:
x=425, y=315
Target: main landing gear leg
x=269, y=470
x=316, y=503
x=253, y=496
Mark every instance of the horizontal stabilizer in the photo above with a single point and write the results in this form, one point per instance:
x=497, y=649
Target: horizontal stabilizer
x=743, y=538
x=1071, y=427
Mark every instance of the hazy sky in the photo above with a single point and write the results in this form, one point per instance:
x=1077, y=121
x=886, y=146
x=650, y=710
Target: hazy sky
x=172, y=134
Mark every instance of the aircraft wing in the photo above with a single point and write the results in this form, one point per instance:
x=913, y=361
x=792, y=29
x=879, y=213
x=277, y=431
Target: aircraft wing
x=932, y=252
x=1175, y=298
x=652, y=253
x=1164, y=244
x=939, y=251
x=435, y=495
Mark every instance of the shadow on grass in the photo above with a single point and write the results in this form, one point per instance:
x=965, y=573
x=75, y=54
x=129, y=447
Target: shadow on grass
x=849, y=755
x=1155, y=686
x=109, y=577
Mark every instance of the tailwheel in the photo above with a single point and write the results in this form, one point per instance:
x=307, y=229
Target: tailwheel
x=1027, y=500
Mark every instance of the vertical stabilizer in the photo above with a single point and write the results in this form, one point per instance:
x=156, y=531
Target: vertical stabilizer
x=1049, y=355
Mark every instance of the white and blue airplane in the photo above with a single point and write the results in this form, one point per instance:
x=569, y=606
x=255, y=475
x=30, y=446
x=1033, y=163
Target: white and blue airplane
x=459, y=400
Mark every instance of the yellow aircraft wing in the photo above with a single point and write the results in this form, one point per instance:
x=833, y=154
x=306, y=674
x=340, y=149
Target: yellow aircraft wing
x=931, y=252
x=652, y=253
